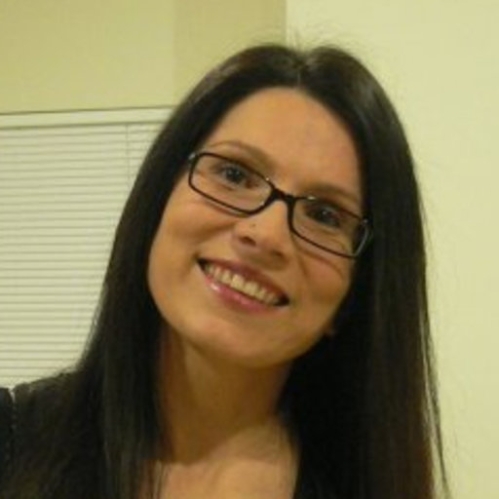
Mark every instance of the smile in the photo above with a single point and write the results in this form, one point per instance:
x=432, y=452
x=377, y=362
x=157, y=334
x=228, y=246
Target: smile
x=246, y=286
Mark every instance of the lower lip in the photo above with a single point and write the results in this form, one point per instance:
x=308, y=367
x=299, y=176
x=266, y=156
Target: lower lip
x=237, y=300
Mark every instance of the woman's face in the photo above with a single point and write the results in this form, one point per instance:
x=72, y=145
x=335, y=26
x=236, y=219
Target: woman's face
x=203, y=255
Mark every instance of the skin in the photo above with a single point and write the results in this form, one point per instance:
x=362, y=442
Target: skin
x=218, y=351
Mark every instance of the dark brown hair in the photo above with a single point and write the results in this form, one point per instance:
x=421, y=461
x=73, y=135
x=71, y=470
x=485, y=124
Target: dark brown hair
x=362, y=405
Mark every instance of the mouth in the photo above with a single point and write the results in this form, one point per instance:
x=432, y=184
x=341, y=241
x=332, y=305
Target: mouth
x=244, y=284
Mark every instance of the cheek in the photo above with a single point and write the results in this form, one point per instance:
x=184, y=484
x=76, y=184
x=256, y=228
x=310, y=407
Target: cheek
x=180, y=223
x=185, y=227
x=171, y=247
x=188, y=217
x=168, y=245
x=329, y=283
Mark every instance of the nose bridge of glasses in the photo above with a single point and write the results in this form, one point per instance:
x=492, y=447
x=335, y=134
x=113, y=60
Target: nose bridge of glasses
x=277, y=194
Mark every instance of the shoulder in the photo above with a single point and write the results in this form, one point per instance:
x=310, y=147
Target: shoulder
x=6, y=428
x=33, y=399
x=34, y=406
x=5, y=411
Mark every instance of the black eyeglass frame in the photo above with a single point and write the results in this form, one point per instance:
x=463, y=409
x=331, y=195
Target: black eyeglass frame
x=276, y=194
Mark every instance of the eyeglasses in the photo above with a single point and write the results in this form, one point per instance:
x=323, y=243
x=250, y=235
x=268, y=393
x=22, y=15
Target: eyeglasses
x=321, y=222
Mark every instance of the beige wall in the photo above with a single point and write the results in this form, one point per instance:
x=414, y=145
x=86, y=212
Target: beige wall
x=439, y=61
x=98, y=54
x=75, y=54
x=207, y=31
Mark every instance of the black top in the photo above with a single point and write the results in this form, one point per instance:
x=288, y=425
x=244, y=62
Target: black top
x=23, y=408
x=6, y=429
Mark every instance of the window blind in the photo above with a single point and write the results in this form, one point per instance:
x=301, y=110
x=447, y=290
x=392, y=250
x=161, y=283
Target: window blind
x=64, y=178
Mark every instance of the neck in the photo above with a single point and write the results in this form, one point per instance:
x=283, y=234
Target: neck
x=215, y=409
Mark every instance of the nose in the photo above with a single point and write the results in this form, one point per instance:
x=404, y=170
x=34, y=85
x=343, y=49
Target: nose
x=265, y=236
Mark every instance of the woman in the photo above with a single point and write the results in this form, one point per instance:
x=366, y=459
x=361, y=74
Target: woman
x=263, y=328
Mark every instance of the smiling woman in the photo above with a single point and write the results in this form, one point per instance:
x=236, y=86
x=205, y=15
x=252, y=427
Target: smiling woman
x=262, y=330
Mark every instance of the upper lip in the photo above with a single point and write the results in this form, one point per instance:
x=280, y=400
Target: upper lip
x=249, y=274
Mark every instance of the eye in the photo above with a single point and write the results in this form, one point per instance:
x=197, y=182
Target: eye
x=233, y=175
x=325, y=214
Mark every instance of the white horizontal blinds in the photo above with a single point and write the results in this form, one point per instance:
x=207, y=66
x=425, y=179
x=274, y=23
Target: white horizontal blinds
x=62, y=188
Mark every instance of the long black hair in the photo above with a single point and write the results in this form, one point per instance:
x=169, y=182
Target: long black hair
x=362, y=404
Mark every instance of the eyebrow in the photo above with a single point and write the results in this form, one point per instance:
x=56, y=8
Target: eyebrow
x=326, y=190
x=258, y=154
x=316, y=190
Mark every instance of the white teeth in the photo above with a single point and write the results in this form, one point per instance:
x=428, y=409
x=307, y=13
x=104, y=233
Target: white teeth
x=239, y=283
x=250, y=288
x=217, y=272
x=226, y=277
x=260, y=294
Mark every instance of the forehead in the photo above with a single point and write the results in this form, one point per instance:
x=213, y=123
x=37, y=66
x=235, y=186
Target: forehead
x=294, y=137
